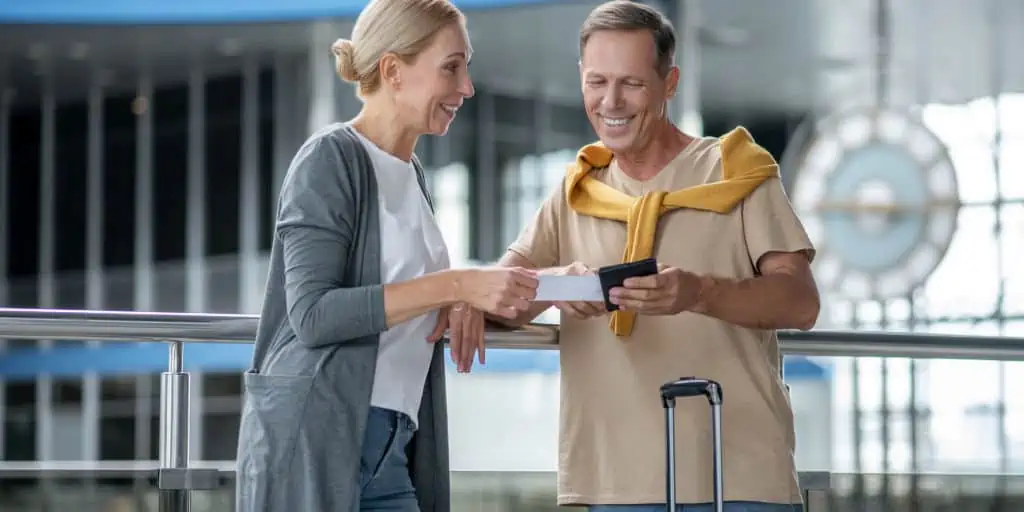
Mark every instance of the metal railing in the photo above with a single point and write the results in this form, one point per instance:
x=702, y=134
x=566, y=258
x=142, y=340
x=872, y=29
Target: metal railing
x=176, y=479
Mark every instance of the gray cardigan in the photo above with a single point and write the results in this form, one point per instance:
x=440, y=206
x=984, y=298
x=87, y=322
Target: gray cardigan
x=307, y=393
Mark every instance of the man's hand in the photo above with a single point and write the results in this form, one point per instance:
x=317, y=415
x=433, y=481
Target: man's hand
x=669, y=292
x=465, y=326
x=579, y=310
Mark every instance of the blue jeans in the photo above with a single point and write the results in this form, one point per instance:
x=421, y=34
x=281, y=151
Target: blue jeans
x=384, y=467
x=730, y=506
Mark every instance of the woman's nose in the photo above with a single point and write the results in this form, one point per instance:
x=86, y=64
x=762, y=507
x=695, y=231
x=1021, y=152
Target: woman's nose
x=466, y=87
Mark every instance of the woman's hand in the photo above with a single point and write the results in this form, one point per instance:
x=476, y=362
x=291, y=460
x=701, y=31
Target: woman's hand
x=499, y=291
x=465, y=326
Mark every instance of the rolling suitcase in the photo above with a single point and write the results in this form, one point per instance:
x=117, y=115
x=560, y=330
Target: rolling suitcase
x=687, y=387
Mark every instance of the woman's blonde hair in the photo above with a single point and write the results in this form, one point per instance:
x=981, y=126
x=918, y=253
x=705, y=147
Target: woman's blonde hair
x=402, y=27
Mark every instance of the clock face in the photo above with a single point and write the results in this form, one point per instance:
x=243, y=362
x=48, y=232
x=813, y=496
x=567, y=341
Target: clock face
x=877, y=193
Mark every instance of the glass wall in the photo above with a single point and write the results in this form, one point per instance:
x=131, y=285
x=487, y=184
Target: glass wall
x=901, y=415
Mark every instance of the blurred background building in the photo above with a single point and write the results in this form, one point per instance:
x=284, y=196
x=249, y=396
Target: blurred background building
x=142, y=144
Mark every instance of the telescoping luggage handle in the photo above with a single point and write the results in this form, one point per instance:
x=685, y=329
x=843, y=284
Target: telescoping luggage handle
x=687, y=387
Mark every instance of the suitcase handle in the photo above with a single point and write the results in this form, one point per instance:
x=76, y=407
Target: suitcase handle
x=687, y=387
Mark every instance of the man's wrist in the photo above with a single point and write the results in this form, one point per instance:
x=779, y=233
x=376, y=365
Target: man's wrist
x=705, y=291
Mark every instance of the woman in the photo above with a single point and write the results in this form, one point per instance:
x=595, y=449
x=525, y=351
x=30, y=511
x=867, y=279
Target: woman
x=344, y=405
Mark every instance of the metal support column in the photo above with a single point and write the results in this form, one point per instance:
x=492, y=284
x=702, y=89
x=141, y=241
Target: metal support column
x=174, y=429
x=95, y=281
x=6, y=97
x=323, y=105
x=196, y=289
x=46, y=282
x=282, y=126
x=485, y=203
x=688, y=96
x=144, y=281
x=997, y=45
x=249, y=191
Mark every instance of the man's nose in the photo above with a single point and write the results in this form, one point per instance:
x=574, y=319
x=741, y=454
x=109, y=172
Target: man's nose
x=612, y=97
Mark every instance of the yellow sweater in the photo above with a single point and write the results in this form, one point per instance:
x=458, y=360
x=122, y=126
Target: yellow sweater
x=745, y=165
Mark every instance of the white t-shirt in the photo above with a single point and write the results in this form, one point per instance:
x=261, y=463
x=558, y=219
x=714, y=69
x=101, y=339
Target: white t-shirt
x=411, y=246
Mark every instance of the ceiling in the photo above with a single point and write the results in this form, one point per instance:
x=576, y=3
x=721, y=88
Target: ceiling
x=782, y=56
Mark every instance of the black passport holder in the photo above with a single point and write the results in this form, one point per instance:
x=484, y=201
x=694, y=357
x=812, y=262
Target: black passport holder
x=614, y=275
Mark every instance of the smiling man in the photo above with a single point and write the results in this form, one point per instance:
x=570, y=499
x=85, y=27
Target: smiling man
x=735, y=266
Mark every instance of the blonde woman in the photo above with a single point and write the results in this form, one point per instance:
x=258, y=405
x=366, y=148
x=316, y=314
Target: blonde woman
x=344, y=403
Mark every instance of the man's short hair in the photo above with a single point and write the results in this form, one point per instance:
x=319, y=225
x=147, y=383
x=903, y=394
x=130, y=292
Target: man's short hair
x=629, y=15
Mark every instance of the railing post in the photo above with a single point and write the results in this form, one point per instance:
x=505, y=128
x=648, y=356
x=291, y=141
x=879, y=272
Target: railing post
x=174, y=423
x=816, y=500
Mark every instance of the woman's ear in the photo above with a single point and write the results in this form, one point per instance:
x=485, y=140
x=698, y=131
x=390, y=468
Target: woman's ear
x=390, y=70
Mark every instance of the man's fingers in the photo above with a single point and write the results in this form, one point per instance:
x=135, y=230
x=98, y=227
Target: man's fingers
x=651, y=307
x=581, y=310
x=634, y=305
x=564, y=307
x=627, y=304
x=644, y=282
x=594, y=308
x=638, y=294
x=572, y=309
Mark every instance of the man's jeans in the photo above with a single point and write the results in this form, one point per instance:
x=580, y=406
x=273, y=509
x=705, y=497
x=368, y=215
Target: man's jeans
x=384, y=468
x=730, y=506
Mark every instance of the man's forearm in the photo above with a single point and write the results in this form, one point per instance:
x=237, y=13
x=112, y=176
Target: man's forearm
x=776, y=301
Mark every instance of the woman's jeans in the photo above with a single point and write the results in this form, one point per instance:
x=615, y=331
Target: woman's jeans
x=384, y=467
x=730, y=506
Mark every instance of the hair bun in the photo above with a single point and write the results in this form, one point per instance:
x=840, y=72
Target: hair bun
x=344, y=60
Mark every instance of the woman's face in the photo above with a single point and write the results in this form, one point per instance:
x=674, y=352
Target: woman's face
x=433, y=86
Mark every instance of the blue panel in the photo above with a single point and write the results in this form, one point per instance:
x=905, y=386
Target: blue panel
x=198, y=11
x=136, y=358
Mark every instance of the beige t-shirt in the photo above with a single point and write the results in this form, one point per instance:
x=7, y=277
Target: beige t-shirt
x=612, y=425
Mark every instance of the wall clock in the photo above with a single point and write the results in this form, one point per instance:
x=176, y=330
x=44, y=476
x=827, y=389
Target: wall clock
x=877, y=192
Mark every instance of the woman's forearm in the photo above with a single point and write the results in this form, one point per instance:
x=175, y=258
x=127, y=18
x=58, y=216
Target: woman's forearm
x=406, y=300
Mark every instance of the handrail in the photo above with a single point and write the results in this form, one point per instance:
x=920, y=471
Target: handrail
x=176, y=478
x=133, y=326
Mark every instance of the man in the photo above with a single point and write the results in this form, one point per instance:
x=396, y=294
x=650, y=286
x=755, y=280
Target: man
x=734, y=267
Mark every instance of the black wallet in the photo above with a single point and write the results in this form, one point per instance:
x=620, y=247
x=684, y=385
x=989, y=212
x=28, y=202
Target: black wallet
x=614, y=275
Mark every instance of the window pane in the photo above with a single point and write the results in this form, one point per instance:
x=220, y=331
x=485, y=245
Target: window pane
x=972, y=253
x=451, y=202
x=967, y=132
x=1011, y=117
x=1011, y=241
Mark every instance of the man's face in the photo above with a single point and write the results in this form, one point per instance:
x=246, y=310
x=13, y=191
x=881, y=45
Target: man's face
x=624, y=94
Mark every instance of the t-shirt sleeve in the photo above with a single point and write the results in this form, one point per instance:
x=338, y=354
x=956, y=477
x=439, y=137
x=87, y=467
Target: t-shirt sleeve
x=538, y=240
x=771, y=225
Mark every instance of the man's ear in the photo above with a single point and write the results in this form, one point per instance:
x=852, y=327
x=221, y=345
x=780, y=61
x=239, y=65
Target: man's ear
x=671, y=82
